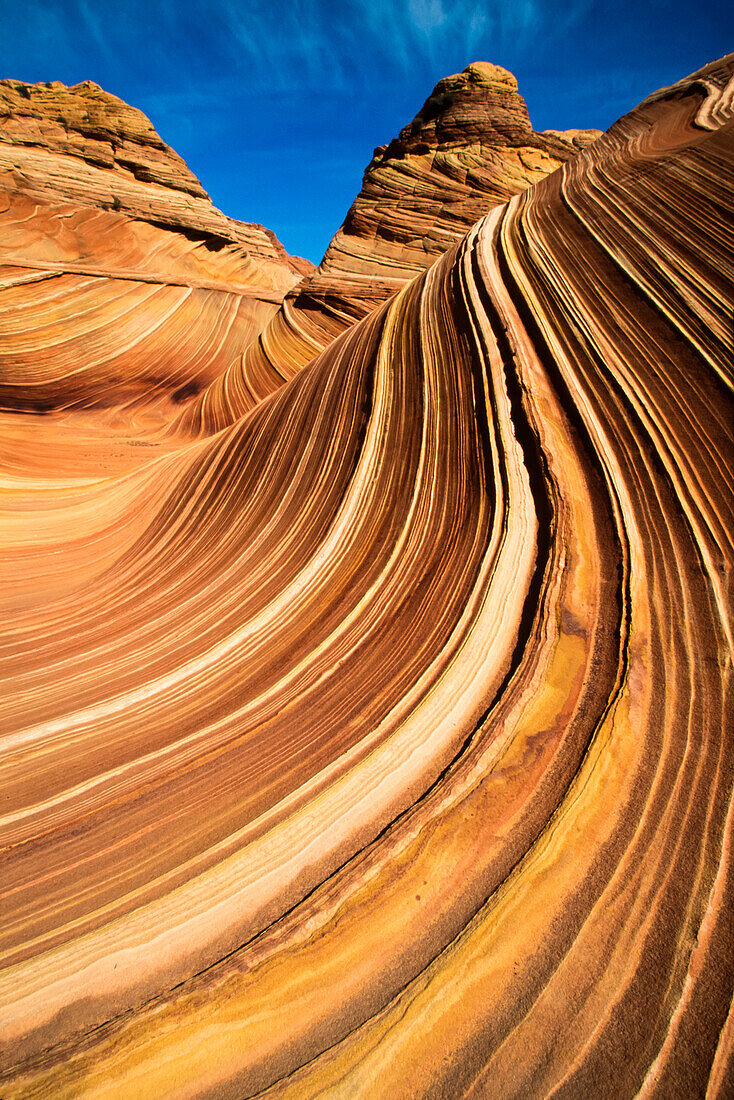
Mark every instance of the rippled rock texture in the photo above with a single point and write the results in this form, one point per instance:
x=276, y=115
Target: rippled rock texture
x=380, y=744
x=470, y=148
x=141, y=286
x=85, y=146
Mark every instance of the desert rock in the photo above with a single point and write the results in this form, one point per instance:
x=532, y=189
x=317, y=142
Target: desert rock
x=379, y=744
x=470, y=148
x=95, y=206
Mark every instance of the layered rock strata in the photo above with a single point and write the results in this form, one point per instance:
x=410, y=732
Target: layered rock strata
x=96, y=209
x=84, y=146
x=470, y=148
x=391, y=753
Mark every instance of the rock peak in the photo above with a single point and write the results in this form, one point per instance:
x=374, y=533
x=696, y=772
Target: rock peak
x=85, y=109
x=81, y=146
x=480, y=104
x=488, y=73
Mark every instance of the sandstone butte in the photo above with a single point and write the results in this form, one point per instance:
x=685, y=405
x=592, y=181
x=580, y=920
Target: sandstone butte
x=379, y=742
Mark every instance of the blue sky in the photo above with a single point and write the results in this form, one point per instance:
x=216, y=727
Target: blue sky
x=277, y=104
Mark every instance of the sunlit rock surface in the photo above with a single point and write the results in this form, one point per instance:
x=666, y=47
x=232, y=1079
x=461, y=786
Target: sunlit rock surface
x=470, y=148
x=119, y=280
x=83, y=146
x=380, y=744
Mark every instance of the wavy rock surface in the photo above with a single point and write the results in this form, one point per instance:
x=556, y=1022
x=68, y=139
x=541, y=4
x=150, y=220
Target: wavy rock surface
x=391, y=753
x=470, y=148
x=83, y=145
x=142, y=291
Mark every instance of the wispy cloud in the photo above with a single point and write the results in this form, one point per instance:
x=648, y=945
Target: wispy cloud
x=340, y=45
x=92, y=20
x=427, y=15
x=267, y=99
x=270, y=46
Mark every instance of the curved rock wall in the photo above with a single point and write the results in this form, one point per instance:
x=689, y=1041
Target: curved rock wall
x=470, y=148
x=391, y=753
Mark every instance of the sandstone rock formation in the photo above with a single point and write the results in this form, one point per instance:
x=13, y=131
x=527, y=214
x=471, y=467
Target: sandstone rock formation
x=96, y=207
x=380, y=744
x=471, y=147
x=85, y=146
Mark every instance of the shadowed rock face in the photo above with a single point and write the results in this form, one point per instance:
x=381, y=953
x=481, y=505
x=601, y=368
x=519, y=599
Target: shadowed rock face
x=380, y=744
x=470, y=148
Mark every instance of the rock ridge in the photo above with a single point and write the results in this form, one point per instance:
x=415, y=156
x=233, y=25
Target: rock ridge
x=380, y=744
x=83, y=145
x=96, y=208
